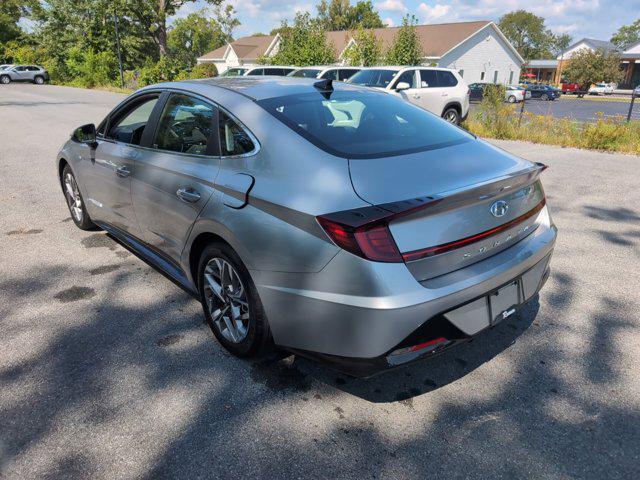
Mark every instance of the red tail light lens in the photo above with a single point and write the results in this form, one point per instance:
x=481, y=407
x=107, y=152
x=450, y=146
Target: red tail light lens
x=373, y=241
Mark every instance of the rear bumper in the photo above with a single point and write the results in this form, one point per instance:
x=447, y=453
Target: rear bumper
x=359, y=309
x=439, y=333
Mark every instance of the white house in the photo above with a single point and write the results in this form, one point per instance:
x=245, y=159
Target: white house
x=478, y=50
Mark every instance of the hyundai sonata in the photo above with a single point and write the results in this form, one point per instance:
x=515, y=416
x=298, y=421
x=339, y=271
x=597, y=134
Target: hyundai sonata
x=328, y=219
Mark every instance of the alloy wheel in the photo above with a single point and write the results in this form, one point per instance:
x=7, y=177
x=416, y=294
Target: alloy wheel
x=451, y=116
x=4, y=79
x=73, y=197
x=226, y=300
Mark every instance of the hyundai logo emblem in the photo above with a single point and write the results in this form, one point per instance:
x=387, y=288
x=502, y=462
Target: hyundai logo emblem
x=499, y=208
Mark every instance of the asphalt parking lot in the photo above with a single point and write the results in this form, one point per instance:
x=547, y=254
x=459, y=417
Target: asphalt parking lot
x=107, y=371
x=582, y=110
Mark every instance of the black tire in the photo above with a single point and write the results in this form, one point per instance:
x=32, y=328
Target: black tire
x=451, y=115
x=258, y=340
x=511, y=99
x=544, y=97
x=82, y=221
x=5, y=79
x=38, y=80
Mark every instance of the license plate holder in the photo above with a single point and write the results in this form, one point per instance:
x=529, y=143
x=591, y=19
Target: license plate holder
x=503, y=302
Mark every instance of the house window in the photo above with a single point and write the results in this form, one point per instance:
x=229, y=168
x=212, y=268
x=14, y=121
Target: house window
x=481, y=76
x=495, y=76
x=461, y=72
x=511, y=78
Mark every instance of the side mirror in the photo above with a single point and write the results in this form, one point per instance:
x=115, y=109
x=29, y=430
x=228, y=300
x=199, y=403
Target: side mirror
x=402, y=86
x=85, y=134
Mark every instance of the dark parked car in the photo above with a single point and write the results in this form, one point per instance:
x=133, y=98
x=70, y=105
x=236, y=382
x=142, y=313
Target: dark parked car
x=543, y=92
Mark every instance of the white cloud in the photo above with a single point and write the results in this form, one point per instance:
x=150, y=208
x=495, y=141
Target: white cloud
x=437, y=12
x=391, y=6
x=389, y=22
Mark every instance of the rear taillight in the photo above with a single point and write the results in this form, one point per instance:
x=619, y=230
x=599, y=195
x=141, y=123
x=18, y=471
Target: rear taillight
x=468, y=92
x=371, y=241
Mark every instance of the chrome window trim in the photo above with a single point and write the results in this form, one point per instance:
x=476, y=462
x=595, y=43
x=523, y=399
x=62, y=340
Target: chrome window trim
x=256, y=144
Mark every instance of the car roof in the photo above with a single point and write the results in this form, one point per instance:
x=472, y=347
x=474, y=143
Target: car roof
x=271, y=66
x=257, y=87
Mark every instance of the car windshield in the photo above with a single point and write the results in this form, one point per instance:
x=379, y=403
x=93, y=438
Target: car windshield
x=373, y=78
x=305, y=73
x=363, y=124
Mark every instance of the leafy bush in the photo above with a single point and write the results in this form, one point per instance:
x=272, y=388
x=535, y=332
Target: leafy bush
x=201, y=70
x=164, y=70
x=90, y=69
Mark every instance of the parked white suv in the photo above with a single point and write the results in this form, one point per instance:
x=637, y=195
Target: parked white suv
x=278, y=70
x=601, y=88
x=439, y=90
x=333, y=73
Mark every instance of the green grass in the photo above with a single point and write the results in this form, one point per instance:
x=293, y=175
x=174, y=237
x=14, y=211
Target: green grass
x=495, y=119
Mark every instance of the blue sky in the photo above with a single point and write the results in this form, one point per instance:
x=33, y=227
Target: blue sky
x=580, y=18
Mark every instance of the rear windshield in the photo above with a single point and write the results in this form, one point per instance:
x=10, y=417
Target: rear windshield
x=373, y=78
x=307, y=73
x=362, y=124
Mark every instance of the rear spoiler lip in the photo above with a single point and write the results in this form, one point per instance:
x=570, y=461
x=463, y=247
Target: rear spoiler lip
x=385, y=212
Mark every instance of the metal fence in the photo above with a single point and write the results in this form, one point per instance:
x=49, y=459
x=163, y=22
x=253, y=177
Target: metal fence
x=616, y=108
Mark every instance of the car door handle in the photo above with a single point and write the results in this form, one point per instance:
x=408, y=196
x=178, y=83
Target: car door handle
x=122, y=171
x=416, y=96
x=188, y=195
x=445, y=94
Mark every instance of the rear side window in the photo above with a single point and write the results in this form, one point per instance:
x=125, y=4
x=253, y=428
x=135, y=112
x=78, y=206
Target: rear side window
x=428, y=79
x=273, y=71
x=363, y=124
x=185, y=125
x=129, y=124
x=234, y=140
x=446, y=79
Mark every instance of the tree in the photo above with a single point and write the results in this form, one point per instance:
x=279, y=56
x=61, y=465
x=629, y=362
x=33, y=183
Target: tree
x=528, y=34
x=560, y=43
x=587, y=67
x=627, y=35
x=366, y=49
x=303, y=43
x=406, y=48
x=194, y=35
x=153, y=14
x=341, y=15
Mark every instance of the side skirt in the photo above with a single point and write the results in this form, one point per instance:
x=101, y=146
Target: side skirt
x=150, y=256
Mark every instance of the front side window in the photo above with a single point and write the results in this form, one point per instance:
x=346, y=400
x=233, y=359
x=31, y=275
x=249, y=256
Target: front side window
x=305, y=73
x=373, y=78
x=185, y=125
x=363, y=124
x=330, y=75
x=407, y=77
x=129, y=124
x=234, y=140
x=257, y=71
x=274, y=71
x=346, y=73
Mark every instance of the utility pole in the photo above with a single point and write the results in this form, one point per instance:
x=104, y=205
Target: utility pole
x=115, y=22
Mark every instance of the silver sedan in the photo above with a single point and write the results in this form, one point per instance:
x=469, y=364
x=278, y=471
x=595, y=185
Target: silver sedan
x=323, y=218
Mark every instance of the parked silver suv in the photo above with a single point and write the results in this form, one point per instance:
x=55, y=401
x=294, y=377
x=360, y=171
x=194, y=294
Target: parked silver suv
x=331, y=220
x=24, y=73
